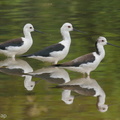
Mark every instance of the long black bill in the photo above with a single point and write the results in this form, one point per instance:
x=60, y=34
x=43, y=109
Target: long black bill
x=78, y=30
x=113, y=45
x=38, y=31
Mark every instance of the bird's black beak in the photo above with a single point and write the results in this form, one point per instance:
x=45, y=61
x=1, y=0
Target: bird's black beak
x=38, y=31
x=78, y=30
x=113, y=45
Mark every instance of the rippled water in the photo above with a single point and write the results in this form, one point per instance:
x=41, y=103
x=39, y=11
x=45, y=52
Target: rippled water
x=36, y=96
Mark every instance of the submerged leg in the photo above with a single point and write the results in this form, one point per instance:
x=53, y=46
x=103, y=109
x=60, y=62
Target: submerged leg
x=83, y=75
x=88, y=73
x=55, y=62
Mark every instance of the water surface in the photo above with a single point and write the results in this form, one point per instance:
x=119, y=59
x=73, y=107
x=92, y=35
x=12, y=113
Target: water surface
x=35, y=97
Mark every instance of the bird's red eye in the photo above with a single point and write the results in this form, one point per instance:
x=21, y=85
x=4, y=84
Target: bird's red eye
x=69, y=26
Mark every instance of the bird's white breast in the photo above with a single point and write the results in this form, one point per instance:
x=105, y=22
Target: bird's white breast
x=25, y=47
x=63, y=53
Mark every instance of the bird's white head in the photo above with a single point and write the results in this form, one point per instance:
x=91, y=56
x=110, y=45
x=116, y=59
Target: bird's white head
x=67, y=27
x=102, y=40
x=28, y=27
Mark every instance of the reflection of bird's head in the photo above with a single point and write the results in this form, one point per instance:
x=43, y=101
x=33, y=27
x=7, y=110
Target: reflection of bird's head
x=68, y=100
x=30, y=86
x=103, y=108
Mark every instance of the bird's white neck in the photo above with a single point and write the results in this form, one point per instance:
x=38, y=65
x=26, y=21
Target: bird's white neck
x=66, y=36
x=27, y=35
x=100, y=50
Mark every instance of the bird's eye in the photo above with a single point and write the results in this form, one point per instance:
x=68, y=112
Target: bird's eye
x=102, y=40
x=69, y=26
x=30, y=27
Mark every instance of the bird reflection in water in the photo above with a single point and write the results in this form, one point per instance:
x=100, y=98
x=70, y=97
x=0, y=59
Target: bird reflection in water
x=52, y=75
x=86, y=87
x=58, y=76
x=18, y=67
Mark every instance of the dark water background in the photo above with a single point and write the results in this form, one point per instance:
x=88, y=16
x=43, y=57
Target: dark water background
x=97, y=18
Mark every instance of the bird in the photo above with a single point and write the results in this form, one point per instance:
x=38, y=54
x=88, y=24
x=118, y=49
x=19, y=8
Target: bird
x=18, y=46
x=88, y=62
x=55, y=52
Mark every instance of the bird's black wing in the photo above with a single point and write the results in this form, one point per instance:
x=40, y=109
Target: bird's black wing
x=78, y=61
x=14, y=42
x=46, y=51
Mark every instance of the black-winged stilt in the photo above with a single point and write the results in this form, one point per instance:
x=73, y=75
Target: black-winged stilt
x=88, y=62
x=18, y=46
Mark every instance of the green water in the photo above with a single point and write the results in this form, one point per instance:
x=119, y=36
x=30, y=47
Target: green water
x=96, y=18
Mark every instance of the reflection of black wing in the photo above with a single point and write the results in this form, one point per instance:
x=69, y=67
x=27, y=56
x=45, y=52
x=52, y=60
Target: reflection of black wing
x=47, y=76
x=46, y=52
x=12, y=71
x=78, y=89
x=14, y=42
x=78, y=61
